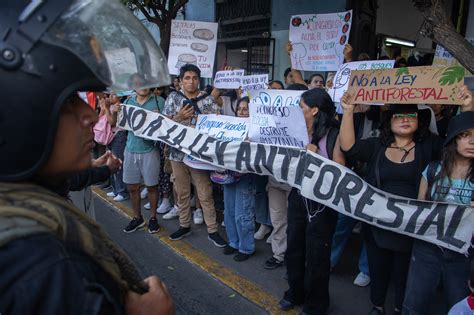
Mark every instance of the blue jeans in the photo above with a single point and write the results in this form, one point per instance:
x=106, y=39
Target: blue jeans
x=430, y=265
x=117, y=146
x=344, y=227
x=239, y=217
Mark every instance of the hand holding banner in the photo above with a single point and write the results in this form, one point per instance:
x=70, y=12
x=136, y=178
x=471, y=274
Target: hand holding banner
x=416, y=85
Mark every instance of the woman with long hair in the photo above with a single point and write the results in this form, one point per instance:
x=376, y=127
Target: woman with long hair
x=395, y=161
x=449, y=180
x=310, y=224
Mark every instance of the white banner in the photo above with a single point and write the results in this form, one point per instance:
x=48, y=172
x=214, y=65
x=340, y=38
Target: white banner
x=220, y=127
x=254, y=82
x=319, y=39
x=228, y=79
x=192, y=42
x=275, y=97
x=317, y=178
x=341, y=79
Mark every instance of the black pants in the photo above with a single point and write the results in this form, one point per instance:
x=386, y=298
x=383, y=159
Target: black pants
x=383, y=265
x=308, y=255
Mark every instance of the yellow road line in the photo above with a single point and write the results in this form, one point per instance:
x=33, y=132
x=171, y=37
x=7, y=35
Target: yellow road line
x=227, y=276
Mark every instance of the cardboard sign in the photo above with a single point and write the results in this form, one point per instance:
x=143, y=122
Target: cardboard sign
x=275, y=97
x=254, y=82
x=192, y=42
x=415, y=85
x=318, y=40
x=341, y=79
x=317, y=178
x=228, y=79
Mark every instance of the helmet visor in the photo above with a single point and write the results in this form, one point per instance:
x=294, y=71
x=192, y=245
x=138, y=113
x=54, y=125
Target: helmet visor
x=112, y=42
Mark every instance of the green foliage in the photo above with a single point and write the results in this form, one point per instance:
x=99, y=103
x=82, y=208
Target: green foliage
x=452, y=75
x=402, y=71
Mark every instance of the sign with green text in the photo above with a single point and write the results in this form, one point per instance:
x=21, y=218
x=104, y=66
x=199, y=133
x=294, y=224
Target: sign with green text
x=414, y=85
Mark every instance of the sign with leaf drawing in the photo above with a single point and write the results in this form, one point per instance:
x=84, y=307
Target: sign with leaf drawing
x=415, y=85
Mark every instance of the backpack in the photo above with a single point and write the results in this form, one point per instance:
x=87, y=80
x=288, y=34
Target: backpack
x=431, y=177
x=103, y=133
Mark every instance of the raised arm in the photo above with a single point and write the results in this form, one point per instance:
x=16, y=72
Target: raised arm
x=346, y=134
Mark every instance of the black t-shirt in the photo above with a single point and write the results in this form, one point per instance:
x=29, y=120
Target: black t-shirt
x=397, y=178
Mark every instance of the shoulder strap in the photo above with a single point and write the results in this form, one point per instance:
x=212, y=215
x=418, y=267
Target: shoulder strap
x=331, y=141
x=431, y=172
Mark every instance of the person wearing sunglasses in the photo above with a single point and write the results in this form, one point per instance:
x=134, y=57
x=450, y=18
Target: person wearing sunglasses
x=395, y=162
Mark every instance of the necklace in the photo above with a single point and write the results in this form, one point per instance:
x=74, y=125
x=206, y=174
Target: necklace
x=402, y=148
x=309, y=208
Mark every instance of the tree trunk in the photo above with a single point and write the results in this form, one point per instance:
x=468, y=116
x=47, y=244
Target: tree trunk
x=165, y=34
x=439, y=28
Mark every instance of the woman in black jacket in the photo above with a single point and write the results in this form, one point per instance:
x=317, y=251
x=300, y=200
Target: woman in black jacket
x=395, y=162
x=311, y=225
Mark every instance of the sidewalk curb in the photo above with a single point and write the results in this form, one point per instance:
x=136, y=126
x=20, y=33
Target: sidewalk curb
x=225, y=275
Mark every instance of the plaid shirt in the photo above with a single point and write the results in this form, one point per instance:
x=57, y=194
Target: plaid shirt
x=174, y=103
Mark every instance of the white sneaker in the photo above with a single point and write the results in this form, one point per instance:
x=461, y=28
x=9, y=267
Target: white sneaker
x=164, y=206
x=262, y=232
x=172, y=214
x=119, y=198
x=223, y=224
x=362, y=280
x=197, y=216
x=147, y=206
x=111, y=194
x=144, y=193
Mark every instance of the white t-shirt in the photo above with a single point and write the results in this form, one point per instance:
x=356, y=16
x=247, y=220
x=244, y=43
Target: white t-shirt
x=227, y=106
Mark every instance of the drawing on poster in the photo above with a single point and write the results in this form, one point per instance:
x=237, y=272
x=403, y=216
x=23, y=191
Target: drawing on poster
x=185, y=59
x=203, y=33
x=199, y=47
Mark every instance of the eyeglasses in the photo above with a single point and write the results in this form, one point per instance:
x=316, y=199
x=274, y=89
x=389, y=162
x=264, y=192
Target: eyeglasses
x=409, y=116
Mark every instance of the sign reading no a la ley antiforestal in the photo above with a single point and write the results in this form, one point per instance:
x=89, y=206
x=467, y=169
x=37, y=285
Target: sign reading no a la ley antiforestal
x=415, y=85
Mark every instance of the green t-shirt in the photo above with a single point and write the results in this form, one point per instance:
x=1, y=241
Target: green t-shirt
x=136, y=144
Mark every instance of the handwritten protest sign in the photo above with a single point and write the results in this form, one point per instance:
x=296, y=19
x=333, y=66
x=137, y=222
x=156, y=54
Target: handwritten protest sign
x=192, y=42
x=341, y=79
x=317, y=178
x=416, y=85
x=228, y=79
x=276, y=118
x=223, y=128
x=318, y=40
x=275, y=97
x=254, y=82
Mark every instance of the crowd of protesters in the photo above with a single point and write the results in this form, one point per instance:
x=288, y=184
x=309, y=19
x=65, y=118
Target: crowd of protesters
x=392, y=147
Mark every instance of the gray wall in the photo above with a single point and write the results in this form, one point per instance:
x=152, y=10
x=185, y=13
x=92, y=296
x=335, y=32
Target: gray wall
x=200, y=10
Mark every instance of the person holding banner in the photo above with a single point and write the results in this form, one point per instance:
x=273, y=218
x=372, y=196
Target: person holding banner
x=240, y=203
x=404, y=149
x=311, y=225
x=449, y=180
x=183, y=107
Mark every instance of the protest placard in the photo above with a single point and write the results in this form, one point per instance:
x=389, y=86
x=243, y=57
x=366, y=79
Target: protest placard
x=415, y=85
x=317, y=178
x=228, y=79
x=341, y=79
x=192, y=42
x=318, y=40
x=275, y=97
x=276, y=118
x=223, y=128
x=254, y=82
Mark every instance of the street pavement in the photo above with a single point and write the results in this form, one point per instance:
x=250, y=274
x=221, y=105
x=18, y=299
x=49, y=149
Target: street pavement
x=202, y=280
